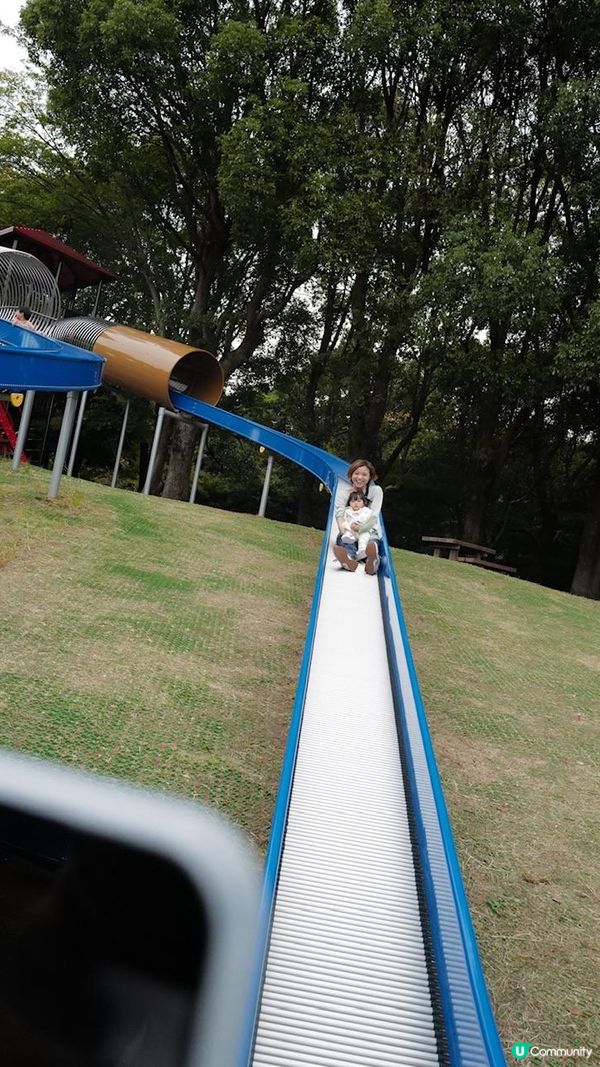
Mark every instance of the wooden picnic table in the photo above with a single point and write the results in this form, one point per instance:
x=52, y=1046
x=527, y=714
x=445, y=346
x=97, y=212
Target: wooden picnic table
x=451, y=548
x=467, y=552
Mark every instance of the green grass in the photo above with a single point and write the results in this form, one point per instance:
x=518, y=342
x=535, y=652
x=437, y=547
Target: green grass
x=161, y=643
x=510, y=675
x=150, y=641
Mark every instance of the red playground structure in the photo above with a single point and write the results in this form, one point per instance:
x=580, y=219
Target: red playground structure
x=8, y=436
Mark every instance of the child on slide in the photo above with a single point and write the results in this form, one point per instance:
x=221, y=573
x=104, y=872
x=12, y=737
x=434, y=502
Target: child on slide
x=355, y=515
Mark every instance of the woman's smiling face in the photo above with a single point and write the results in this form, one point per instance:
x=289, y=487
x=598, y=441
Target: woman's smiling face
x=360, y=477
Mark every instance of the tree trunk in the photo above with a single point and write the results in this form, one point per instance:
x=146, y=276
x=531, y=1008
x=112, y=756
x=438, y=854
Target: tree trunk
x=305, y=510
x=358, y=356
x=162, y=453
x=586, y=580
x=177, y=482
x=481, y=476
x=144, y=456
x=474, y=521
x=493, y=444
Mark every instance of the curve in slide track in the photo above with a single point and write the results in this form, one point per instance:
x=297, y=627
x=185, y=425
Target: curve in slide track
x=368, y=955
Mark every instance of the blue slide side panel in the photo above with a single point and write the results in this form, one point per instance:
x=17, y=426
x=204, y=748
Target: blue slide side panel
x=325, y=467
x=471, y=1031
x=282, y=803
x=30, y=360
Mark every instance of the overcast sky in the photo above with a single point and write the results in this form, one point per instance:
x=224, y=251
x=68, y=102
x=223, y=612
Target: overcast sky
x=11, y=56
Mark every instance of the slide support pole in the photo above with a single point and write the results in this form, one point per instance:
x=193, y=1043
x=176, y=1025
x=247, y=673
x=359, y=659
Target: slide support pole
x=265, y=490
x=120, y=447
x=199, y=457
x=63, y=444
x=157, y=432
x=82, y=404
x=23, y=428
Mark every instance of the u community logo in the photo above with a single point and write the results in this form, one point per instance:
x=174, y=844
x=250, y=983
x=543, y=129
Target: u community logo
x=522, y=1049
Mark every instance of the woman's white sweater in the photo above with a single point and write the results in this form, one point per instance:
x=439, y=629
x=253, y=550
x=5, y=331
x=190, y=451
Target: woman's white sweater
x=373, y=492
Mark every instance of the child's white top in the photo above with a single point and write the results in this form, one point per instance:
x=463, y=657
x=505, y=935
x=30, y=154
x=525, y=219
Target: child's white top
x=373, y=492
x=360, y=516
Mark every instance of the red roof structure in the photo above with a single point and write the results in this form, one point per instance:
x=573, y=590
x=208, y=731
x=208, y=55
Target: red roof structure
x=76, y=271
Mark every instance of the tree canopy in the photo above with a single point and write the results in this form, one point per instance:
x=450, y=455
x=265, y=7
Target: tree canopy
x=383, y=215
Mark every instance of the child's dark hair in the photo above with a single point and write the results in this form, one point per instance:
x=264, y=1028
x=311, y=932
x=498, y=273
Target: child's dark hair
x=25, y=311
x=357, y=494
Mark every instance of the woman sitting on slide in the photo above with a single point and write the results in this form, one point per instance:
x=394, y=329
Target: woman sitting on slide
x=362, y=476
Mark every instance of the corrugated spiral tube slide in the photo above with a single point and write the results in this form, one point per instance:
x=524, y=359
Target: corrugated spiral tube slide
x=144, y=363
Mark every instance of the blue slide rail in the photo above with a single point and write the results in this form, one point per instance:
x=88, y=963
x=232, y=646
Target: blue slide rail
x=32, y=361
x=323, y=465
x=470, y=1029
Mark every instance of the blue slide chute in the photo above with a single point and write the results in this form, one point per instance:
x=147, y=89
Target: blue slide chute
x=323, y=465
x=32, y=361
x=470, y=1034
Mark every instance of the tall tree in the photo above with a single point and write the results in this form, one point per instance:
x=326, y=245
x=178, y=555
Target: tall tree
x=171, y=90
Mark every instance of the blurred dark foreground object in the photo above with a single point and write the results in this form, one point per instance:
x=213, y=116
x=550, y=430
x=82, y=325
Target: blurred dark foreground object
x=126, y=924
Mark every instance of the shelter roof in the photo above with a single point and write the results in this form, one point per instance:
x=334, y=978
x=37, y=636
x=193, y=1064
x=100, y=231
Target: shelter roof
x=76, y=271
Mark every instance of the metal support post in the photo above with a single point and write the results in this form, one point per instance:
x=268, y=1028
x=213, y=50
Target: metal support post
x=265, y=489
x=77, y=433
x=63, y=444
x=154, y=450
x=23, y=428
x=120, y=446
x=194, y=488
x=46, y=429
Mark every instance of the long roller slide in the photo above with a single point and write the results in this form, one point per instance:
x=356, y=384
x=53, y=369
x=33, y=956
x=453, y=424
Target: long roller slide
x=368, y=955
x=347, y=977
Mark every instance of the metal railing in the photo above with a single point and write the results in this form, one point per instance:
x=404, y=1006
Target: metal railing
x=25, y=282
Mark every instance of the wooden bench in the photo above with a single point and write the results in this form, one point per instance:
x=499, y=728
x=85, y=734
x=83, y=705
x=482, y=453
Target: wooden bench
x=466, y=552
x=501, y=567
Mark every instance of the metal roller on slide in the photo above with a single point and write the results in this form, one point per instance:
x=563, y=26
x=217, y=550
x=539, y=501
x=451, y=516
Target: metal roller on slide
x=349, y=975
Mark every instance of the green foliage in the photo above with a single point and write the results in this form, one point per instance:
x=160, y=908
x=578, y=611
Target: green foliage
x=384, y=215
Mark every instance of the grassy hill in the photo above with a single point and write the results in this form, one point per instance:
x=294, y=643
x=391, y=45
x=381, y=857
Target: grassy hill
x=161, y=643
